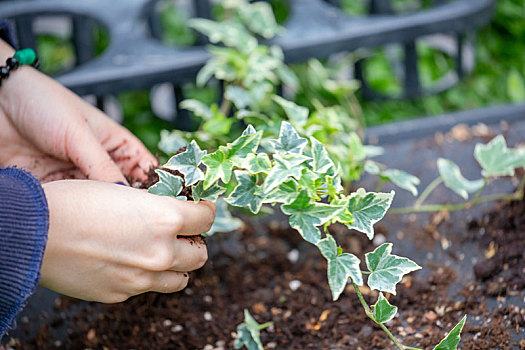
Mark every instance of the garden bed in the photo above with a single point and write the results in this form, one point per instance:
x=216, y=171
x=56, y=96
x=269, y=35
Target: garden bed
x=472, y=264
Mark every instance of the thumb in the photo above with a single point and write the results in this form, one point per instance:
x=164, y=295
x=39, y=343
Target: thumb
x=86, y=152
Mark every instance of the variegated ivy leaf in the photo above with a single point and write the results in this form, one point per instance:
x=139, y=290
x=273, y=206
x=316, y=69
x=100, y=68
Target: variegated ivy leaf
x=285, y=193
x=168, y=184
x=248, y=334
x=286, y=166
x=310, y=181
x=229, y=33
x=240, y=97
x=257, y=163
x=453, y=179
x=218, y=166
x=341, y=266
x=171, y=142
x=198, y=108
x=333, y=185
x=211, y=193
x=453, y=338
x=260, y=19
x=306, y=215
x=297, y=115
x=224, y=221
x=402, y=179
x=322, y=162
x=187, y=163
x=289, y=141
x=239, y=149
x=383, y=311
x=250, y=130
x=386, y=269
x=498, y=160
x=246, y=193
x=367, y=209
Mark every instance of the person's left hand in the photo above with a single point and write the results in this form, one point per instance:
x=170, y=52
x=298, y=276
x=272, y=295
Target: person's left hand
x=51, y=132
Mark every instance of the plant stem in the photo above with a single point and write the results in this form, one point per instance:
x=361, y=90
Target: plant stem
x=379, y=185
x=518, y=195
x=225, y=106
x=370, y=315
x=265, y=325
x=431, y=187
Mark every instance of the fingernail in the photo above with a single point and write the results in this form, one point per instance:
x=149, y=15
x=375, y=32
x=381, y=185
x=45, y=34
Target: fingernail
x=121, y=183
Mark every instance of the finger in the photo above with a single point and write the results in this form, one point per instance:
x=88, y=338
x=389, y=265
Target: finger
x=190, y=254
x=85, y=151
x=124, y=147
x=169, y=281
x=196, y=218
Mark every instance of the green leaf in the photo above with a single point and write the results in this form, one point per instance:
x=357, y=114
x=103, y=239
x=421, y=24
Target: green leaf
x=289, y=141
x=260, y=19
x=452, y=340
x=285, y=193
x=310, y=181
x=239, y=96
x=367, y=209
x=218, y=166
x=229, y=33
x=451, y=175
x=224, y=221
x=286, y=167
x=168, y=184
x=306, y=215
x=219, y=124
x=257, y=163
x=383, y=311
x=171, y=142
x=402, y=179
x=340, y=266
x=296, y=114
x=246, y=192
x=498, y=160
x=211, y=194
x=386, y=269
x=322, y=162
x=198, y=108
x=239, y=149
x=248, y=334
x=515, y=86
x=188, y=163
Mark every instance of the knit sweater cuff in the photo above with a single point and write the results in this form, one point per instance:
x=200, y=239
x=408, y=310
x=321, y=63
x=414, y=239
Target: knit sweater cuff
x=24, y=223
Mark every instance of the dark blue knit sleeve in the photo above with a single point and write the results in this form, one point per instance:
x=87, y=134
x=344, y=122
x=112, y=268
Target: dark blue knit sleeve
x=24, y=222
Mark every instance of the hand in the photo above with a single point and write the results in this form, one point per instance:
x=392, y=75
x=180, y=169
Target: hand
x=50, y=131
x=108, y=242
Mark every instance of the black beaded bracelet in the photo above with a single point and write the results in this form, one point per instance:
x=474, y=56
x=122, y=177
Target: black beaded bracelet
x=20, y=58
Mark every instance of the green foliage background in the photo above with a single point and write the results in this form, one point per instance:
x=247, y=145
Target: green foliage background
x=499, y=76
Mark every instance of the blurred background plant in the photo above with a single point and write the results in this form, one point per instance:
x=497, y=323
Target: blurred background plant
x=499, y=75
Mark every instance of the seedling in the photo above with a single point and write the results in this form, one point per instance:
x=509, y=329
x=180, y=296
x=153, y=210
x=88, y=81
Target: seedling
x=248, y=333
x=299, y=175
x=496, y=160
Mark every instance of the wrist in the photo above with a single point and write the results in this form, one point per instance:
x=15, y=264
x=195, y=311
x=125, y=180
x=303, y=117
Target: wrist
x=14, y=85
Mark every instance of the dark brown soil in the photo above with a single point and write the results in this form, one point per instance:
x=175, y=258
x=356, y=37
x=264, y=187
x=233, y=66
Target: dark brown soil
x=254, y=268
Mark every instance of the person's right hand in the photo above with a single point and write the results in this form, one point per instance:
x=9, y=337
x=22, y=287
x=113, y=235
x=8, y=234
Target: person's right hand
x=108, y=242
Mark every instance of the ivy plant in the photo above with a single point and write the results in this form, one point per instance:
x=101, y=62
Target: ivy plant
x=495, y=159
x=299, y=175
x=254, y=77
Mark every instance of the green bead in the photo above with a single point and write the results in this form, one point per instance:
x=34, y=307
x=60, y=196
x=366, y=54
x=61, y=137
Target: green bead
x=25, y=56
